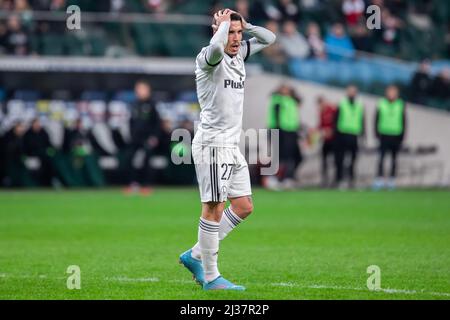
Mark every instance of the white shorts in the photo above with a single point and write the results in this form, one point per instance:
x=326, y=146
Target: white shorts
x=222, y=173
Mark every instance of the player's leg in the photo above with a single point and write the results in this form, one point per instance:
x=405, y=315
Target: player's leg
x=208, y=238
x=239, y=194
x=379, y=180
x=339, y=160
x=237, y=211
x=353, y=151
x=213, y=177
x=205, y=171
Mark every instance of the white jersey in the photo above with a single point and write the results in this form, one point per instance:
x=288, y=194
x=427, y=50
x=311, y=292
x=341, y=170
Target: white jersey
x=220, y=91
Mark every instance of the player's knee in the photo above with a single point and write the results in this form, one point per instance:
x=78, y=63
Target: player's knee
x=247, y=208
x=212, y=211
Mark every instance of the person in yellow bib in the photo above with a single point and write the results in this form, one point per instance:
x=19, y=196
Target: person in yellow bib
x=390, y=123
x=283, y=114
x=349, y=128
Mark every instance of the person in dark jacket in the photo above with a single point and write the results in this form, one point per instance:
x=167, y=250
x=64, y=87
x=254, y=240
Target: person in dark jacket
x=327, y=114
x=37, y=144
x=82, y=150
x=421, y=84
x=17, y=174
x=145, y=132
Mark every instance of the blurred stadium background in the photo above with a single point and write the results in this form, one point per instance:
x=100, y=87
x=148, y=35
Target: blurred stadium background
x=62, y=76
x=70, y=118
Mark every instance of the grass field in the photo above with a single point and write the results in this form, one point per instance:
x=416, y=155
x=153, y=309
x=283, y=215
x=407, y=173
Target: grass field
x=296, y=245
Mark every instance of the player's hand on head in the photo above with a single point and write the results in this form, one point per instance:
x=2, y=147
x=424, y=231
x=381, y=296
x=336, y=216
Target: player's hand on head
x=244, y=22
x=222, y=15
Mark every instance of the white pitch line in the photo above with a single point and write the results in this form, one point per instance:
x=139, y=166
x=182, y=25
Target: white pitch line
x=276, y=284
x=387, y=290
x=125, y=279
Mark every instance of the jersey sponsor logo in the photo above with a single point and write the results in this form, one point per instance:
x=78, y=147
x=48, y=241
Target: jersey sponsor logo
x=233, y=84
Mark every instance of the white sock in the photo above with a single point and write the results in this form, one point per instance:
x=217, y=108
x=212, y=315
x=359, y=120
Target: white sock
x=208, y=238
x=228, y=222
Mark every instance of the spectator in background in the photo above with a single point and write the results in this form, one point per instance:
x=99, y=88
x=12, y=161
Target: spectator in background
x=440, y=87
x=289, y=10
x=40, y=4
x=421, y=83
x=361, y=38
x=3, y=33
x=242, y=6
x=353, y=11
x=37, y=144
x=258, y=11
x=82, y=150
x=274, y=53
x=56, y=28
x=390, y=124
x=157, y=6
x=327, y=114
x=6, y=5
x=284, y=115
x=145, y=131
x=21, y=6
x=398, y=8
x=16, y=40
x=388, y=35
x=17, y=175
x=293, y=42
x=113, y=6
x=315, y=41
x=349, y=125
x=338, y=44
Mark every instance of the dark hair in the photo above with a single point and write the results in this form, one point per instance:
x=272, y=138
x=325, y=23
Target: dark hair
x=235, y=17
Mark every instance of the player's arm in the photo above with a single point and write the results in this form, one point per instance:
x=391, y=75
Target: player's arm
x=216, y=49
x=261, y=38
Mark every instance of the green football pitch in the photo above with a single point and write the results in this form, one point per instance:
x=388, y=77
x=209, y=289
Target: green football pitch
x=296, y=245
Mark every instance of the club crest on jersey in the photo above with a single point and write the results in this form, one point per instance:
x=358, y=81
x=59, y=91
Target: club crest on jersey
x=234, y=84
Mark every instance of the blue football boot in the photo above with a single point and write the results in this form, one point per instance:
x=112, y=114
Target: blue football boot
x=194, y=266
x=220, y=283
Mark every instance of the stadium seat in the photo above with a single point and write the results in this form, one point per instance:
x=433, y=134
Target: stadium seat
x=188, y=96
x=51, y=45
x=2, y=94
x=26, y=95
x=126, y=96
x=15, y=108
x=97, y=110
x=93, y=95
x=57, y=109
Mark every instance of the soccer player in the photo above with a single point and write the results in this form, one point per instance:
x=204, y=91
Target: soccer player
x=222, y=171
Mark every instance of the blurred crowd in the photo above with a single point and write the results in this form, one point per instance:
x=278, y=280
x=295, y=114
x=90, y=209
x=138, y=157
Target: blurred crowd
x=319, y=31
x=134, y=138
x=306, y=28
x=425, y=86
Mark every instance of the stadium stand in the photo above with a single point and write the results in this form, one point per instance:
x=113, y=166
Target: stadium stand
x=60, y=75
